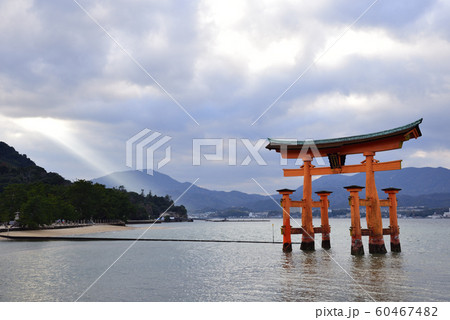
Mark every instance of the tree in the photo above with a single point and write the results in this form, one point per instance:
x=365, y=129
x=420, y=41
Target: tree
x=85, y=198
x=11, y=200
x=43, y=203
x=36, y=211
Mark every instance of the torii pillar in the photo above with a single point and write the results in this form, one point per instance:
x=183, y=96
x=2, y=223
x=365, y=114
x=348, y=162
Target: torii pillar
x=307, y=219
x=325, y=225
x=355, y=229
x=373, y=211
x=286, y=228
x=394, y=228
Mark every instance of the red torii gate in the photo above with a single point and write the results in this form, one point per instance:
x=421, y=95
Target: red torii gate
x=336, y=151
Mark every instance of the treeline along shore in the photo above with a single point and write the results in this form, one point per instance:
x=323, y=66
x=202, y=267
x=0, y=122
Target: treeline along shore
x=37, y=205
x=32, y=198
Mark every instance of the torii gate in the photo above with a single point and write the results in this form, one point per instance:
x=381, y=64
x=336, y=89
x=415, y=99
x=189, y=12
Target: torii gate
x=336, y=151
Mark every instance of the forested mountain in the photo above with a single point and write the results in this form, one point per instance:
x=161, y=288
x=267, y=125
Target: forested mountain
x=40, y=198
x=18, y=168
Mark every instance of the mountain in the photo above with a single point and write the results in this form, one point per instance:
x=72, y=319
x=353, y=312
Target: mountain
x=196, y=198
x=428, y=187
x=9, y=156
x=420, y=186
x=18, y=168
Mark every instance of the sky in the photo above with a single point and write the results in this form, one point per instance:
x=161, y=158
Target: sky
x=78, y=79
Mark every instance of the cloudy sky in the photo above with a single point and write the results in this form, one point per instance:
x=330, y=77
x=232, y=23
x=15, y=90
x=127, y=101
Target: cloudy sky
x=80, y=78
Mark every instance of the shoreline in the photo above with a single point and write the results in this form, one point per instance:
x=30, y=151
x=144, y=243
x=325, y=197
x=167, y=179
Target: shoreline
x=76, y=230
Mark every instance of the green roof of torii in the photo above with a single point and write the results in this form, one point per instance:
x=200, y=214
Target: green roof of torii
x=339, y=142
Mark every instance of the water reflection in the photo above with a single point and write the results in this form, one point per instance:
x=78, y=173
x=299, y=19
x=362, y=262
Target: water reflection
x=322, y=276
x=173, y=271
x=287, y=261
x=288, y=277
x=43, y=273
x=378, y=277
x=301, y=276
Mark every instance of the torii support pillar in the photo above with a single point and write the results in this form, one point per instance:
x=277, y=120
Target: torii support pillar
x=324, y=218
x=357, y=248
x=286, y=228
x=394, y=229
x=373, y=211
x=307, y=219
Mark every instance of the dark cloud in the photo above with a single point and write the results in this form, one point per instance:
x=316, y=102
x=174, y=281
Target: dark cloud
x=225, y=66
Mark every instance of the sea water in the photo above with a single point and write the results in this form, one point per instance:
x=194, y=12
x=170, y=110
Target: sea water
x=207, y=271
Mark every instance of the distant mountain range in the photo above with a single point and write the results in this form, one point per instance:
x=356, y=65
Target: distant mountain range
x=429, y=187
x=196, y=198
x=18, y=168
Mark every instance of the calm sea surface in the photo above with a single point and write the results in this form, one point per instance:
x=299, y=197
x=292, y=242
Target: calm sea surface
x=189, y=271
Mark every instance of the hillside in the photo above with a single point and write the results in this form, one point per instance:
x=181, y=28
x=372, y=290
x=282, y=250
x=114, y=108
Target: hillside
x=18, y=168
x=9, y=156
x=42, y=198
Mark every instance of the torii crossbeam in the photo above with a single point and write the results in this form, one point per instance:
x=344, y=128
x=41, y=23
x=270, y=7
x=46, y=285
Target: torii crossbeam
x=336, y=150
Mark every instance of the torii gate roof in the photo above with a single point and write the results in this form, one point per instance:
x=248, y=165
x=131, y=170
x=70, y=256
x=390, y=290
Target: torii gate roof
x=378, y=141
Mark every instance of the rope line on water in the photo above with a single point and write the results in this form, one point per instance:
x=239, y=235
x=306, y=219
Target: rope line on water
x=26, y=238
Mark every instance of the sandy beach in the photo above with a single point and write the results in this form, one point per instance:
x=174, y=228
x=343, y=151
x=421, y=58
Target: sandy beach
x=67, y=231
x=97, y=228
